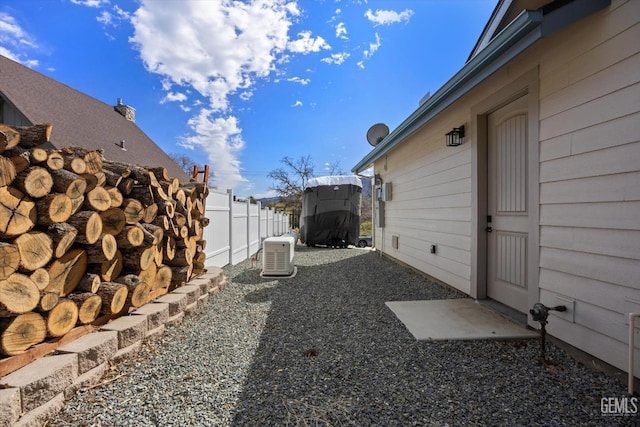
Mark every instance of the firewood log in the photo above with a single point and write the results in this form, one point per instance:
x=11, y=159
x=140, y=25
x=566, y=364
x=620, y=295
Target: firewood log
x=169, y=248
x=117, y=168
x=36, y=249
x=17, y=212
x=112, y=179
x=113, y=221
x=108, y=269
x=34, y=181
x=76, y=204
x=55, y=207
x=89, y=305
x=126, y=185
x=114, y=297
x=40, y=277
x=166, y=207
x=48, y=300
x=66, y=272
x=161, y=221
x=132, y=236
x=164, y=277
x=18, y=294
x=73, y=164
x=102, y=250
x=151, y=234
x=9, y=137
x=93, y=159
x=139, y=257
x=160, y=173
x=150, y=213
x=147, y=275
x=9, y=259
x=138, y=290
x=133, y=210
x=54, y=161
x=180, y=275
x=34, y=135
x=37, y=155
x=68, y=183
x=159, y=193
x=88, y=224
x=7, y=171
x=143, y=194
x=89, y=283
x=20, y=158
x=97, y=199
x=61, y=318
x=182, y=257
x=63, y=235
x=116, y=197
x=19, y=333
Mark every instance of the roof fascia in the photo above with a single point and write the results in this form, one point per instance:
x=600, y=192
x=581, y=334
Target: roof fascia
x=510, y=42
x=494, y=21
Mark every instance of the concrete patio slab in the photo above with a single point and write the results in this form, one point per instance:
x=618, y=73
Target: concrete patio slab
x=456, y=319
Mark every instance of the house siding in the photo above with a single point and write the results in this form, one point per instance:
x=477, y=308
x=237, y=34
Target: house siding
x=431, y=204
x=590, y=181
x=587, y=122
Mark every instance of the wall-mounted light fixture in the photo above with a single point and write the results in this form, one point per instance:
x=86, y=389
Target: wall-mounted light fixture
x=454, y=138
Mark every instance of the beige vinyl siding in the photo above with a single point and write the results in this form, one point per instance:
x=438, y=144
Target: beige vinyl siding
x=431, y=204
x=590, y=179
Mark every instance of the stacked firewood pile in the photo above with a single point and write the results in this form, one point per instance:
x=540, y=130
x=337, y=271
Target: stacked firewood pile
x=83, y=238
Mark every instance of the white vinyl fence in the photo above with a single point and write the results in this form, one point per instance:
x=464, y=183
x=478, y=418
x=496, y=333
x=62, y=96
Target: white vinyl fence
x=236, y=229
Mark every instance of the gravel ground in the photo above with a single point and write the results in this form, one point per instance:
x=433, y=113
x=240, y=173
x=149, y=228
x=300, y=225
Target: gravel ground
x=323, y=349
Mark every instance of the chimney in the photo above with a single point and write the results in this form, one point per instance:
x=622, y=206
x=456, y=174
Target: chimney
x=127, y=112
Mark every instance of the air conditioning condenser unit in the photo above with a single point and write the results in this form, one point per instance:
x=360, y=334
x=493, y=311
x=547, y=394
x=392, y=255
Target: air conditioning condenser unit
x=277, y=256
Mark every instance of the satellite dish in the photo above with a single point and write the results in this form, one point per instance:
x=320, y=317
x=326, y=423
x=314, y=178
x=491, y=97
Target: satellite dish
x=377, y=133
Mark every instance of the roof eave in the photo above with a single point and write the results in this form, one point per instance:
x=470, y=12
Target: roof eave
x=509, y=43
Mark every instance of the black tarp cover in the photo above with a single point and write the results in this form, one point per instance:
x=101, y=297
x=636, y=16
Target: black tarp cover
x=331, y=211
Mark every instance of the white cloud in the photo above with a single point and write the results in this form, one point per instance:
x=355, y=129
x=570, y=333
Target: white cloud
x=360, y=65
x=388, y=17
x=300, y=80
x=298, y=103
x=218, y=49
x=341, y=31
x=373, y=47
x=91, y=3
x=221, y=139
x=336, y=58
x=174, y=97
x=306, y=44
x=15, y=41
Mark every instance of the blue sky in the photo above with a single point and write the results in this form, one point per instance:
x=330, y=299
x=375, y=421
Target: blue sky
x=239, y=85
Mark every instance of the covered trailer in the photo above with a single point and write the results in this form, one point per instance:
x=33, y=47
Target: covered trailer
x=331, y=211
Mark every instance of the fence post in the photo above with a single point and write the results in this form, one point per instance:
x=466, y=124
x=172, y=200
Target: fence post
x=230, y=193
x=248, y=226
x=259, y=204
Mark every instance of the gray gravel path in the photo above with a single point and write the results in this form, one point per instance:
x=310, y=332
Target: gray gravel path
x=323, y=349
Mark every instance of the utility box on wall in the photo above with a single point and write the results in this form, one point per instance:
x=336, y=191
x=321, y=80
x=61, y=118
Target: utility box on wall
x=383, y=192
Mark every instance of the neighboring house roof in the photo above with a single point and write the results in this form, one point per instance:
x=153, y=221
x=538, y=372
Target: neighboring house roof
x=503, y=39
x=79, y=120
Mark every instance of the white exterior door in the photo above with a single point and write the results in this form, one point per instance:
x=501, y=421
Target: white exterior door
x=508, y=209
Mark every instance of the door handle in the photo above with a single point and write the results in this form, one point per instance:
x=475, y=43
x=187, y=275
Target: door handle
x=488, y=229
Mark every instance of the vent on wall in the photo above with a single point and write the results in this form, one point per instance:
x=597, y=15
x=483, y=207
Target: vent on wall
x=394, y=242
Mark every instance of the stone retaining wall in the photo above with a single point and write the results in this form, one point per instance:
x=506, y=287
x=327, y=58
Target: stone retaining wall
x=30, y=395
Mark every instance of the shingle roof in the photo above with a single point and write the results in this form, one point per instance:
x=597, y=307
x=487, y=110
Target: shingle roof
x=78, y=119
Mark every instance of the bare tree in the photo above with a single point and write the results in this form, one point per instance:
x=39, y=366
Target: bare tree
x=184, y=161
x=334, y=168
x=291, y=180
